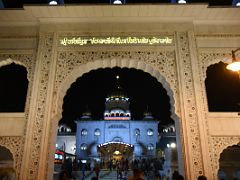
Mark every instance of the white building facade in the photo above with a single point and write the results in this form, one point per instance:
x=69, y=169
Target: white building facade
x=117, y=128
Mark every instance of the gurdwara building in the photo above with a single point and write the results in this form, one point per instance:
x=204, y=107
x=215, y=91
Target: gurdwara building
x=117, y=135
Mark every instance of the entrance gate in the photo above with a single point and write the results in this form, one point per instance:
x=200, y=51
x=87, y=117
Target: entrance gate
x=115, y=151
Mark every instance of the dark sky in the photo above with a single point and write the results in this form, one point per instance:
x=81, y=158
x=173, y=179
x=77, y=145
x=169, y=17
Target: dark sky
x=91, y=89
x=223, y=89
x=19, y=3
x=13, y=88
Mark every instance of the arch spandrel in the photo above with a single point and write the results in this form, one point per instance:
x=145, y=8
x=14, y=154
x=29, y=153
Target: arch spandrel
x=209, y=57
x=218, y=144
x=14, y=145
x=157, y=64
x=27, y=61
x=19, y=59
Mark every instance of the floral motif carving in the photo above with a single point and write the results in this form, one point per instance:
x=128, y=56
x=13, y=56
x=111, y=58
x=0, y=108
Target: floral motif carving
x=190, y=103
x=14, y=144
x=164, y=61
x=207, y=58
x=218, y=144
x=23, y=59
x=45, y=55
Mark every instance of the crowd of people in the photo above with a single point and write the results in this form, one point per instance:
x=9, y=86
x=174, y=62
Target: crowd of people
x=143, y=169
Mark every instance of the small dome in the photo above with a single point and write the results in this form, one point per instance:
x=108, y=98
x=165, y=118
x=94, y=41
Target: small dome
x=118, y=92
x=86, y=114
x=63, y=128
x=147, y=114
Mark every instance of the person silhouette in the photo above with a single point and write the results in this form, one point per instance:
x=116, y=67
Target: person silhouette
x=202, y=177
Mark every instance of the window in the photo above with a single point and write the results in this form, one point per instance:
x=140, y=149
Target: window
x=14, y=86
x=84, y=132
x=137, y=132
x=97, y=132
x=150, y=147
x=149, y=132
x=83, y=147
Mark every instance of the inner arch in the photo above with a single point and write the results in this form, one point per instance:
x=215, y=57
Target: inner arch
x=122, y=63
x=58, y=96
x=89, y=93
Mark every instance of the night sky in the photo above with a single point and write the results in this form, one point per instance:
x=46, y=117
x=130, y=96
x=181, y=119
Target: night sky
x=20, y=3
x=91, y=89
x=223, y=89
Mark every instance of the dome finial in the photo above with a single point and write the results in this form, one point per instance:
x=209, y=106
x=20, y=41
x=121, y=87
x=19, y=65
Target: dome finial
x=87, y=113
x=147, y=114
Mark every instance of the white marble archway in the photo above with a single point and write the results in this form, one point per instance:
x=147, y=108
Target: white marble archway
x=109, y=63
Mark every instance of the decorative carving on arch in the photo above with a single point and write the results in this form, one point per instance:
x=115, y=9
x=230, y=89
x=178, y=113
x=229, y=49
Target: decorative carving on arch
x=22, y=59
x=210, y=56
x=218, y=144
x=73, y=64
x=190, y=104
x=45, y=57
x=26, y=60
x=207, y=58
x=14, y=144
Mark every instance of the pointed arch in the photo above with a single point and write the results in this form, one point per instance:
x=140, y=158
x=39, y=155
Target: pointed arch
x=111, y=63
x=9, y=61
x=14, y=84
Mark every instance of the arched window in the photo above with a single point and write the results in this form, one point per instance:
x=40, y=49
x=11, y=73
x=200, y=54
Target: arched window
x=229, y=159
x=150, y=147
x=222, y=88
x=83, y=147
x=97, y=132
x=14, y=85
x=6, y=157
x=149, y=132
x=84, y=132
x=137, y=132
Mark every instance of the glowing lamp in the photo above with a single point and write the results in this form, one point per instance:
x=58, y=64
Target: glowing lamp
x=235, y=65
x=173, y=145
x=53, y=3
x=182, y=2
x=117, y=152
x=117, y=2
